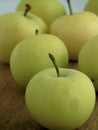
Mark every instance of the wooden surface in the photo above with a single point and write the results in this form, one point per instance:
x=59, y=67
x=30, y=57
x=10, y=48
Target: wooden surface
x=13, y=112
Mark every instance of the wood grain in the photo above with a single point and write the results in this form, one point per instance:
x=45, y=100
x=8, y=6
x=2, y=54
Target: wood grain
x=13, y=112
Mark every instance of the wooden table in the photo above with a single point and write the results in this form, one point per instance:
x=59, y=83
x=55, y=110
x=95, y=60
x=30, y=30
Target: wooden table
x=13, y=112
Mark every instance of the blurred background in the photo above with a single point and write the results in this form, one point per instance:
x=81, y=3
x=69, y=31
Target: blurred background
x=10, y=5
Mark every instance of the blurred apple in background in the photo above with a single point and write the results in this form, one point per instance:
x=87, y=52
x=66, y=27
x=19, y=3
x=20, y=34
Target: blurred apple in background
x=62, y=101
x=31, y=56
x=48, y=10
x=14, y=27
x=92, y=5
x=77, y=5
x=88, y=60
x=75, y=30
x=10, y=5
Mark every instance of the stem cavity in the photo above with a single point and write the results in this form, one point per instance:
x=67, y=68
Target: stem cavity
x=36, y=31
x=54, y=63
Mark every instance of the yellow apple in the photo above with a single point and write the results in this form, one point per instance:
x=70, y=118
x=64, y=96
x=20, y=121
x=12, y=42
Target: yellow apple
x=48, y=10
x=14, y=27
x=88, y=60
x=75, y=30
x=62, y=101
x=31, y=56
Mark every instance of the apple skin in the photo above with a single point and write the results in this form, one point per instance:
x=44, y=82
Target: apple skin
x=14, y=27
x=75, y=30
x=47, y=10
x=92, y=5
x=60, y=103
x=31, y=56
x=88, y=60
x=43, y=28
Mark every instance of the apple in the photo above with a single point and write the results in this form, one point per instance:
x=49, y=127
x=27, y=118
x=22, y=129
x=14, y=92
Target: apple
x=42, y=25
x=88, y=60
x=62, y=101
x=92, y=5
x=75, y=30
x=48, y=10
x=30, y=56
x=14, y=27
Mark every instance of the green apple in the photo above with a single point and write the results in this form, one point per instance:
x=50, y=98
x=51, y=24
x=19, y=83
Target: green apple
x=75, y=30
x=30, y=56
x=48, y=10
x=88, y=60
x=92, y=5
x=14, y=27
x=63, y=102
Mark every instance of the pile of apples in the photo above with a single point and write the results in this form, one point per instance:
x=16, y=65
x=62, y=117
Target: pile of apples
x=38, y=41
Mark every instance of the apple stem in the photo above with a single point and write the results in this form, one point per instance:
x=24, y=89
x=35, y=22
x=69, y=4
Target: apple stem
x=55, y=65
x=70, y=8
x=28, y=7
